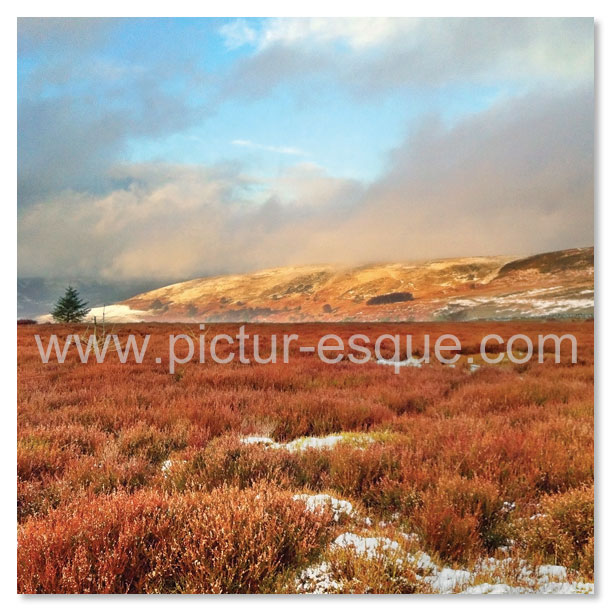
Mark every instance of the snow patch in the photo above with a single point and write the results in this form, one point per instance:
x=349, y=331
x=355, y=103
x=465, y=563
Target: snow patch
x=367, y=547
x=339, y=507
x=411, y=362
x=448, y=580
x=114, y=313
x=312, y=442
x=490, y=589
x=317, y=580
x=567, y=588
x=302, y=444
x=547, y=579
x=545, y=572
x=260, y=440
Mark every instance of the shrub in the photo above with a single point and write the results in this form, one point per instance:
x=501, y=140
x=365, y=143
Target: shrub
x=562, y=531
x=461, y=518
x=385, y=573
x=226, y=541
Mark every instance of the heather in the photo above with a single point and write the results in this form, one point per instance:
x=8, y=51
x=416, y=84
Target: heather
x=132, y=479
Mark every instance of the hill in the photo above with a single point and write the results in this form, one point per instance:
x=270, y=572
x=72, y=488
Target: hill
x=557, y=284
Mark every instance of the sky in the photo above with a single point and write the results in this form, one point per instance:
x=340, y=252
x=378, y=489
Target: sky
x=175, y=148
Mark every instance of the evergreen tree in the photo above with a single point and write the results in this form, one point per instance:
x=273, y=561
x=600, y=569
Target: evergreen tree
x=70, y=308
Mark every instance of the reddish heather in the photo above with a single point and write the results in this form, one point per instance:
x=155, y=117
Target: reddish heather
x=133, y=479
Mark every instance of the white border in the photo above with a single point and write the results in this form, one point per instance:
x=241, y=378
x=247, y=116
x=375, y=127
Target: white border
x=598, y=9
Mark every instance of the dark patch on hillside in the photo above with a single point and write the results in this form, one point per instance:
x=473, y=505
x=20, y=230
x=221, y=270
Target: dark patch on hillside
x=548, y=263
x=390, y=298
x=159, y=306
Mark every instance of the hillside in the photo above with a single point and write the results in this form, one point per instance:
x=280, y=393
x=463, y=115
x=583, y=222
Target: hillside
x=558, y=284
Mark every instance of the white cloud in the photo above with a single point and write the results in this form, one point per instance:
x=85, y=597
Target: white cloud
x=237, y=33
x=359, y=33
x=370, y=56
x=271, y=148
x=308, y=185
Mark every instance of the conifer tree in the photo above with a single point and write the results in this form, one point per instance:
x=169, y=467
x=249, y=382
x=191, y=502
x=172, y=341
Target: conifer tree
x=70, y=308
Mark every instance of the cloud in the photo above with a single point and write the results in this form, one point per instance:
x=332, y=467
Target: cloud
x=79, y=109
x=372, y=56
x=515, y=179
x=309, y=186
x=70, y=142
x=166, y=222
x=52, y=34
x=237, y=33
x=272, y=149
x=357, y=32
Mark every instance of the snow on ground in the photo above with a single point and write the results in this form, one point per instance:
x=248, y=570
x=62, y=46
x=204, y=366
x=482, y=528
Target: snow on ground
x=260, y=440
x=411, y=362
x=491, y=589
x=327, y=441
x=367, y=547
x=556, y=306
x=491, y=565
x=312, y=442
x=115, y=313
x=535, y=302
x=546, y=579
x=302, y=444
x=339, y=507
x=550, y=588
x=448, y=580
x=552, y=571
x=566, y=588
x=317, y=580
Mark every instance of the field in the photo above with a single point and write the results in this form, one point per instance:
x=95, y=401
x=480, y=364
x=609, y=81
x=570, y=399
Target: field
x=306, y=477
